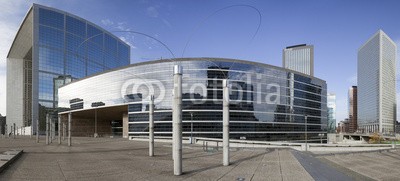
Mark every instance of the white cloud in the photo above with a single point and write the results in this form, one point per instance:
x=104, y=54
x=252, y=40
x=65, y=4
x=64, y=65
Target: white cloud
x=152, y=12
x=107, y=22
x=124, y=39
x=122, y=26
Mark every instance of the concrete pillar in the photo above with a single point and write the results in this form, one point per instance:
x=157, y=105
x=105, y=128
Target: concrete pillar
x=125, y=126
x=151, y=126
x=303, y=147
x=225, y=122
x=64, y=131
x=37, y=131
x=95, y=123
x=51, y=129
x=6, y=131
x=14, y=131
x=59, y=129
x=69, y=128
x=47, y=129
x=177, y=120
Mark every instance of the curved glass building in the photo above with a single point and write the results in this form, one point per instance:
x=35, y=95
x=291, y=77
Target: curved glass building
x=51, y=48
x=266, y=102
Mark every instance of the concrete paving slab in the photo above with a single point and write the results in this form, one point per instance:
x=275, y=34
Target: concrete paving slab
x=6, y=157
x=120, y=159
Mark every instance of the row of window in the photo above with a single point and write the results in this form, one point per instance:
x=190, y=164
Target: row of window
x=80, y=29
x=233, y=127
x=234, y=116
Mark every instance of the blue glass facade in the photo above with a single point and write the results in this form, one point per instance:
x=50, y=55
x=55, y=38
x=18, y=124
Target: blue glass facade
x=267, y=102
x=71, y=46
x=50, y=49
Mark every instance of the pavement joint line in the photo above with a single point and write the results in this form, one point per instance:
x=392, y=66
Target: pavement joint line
x=234, y=166
x=280, y=165
x=219, y=165
x=258, y=167
x=62, y=172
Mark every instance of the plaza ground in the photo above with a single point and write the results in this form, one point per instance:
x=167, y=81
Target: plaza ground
x=121, y=159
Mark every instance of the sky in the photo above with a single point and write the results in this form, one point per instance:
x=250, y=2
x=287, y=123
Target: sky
x=226, y=28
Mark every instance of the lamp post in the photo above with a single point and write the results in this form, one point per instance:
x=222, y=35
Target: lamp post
x=151, y=126
x=177, y=120
x=37, y=131
x=225, y=122
x=321, y=135
x=191, y=128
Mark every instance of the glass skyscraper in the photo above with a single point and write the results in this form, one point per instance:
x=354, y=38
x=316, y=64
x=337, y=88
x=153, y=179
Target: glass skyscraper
x=331, y=112
x=299, y=58
x=353, y=109
x=52, y=48
x=377, y=84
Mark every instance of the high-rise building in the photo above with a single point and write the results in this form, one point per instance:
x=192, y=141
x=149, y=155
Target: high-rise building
x=299, y=58
x=353, y=109
x=331, y=99
x=376, y=90
x=52, y=48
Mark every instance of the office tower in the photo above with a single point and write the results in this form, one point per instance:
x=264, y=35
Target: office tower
x=52, y=48
x=331, y=99
x=299, y=58
x=376, y=78
x=353, y=109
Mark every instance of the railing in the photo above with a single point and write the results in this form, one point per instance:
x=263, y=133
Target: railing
x=211, y=144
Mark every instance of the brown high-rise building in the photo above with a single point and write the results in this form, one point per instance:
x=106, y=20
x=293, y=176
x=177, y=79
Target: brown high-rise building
x=353, y=109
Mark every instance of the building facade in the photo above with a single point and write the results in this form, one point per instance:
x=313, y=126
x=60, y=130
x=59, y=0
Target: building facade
x=2, y=125
x=331, y=112
x=299, y=58
x=376, y=79
x=267, y=102
x=343, y=126
x=353, y=109
x=52, y=48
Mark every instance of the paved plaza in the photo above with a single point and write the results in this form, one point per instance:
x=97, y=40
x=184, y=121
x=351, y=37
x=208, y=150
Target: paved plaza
x=383, y=165
x=121, y=159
